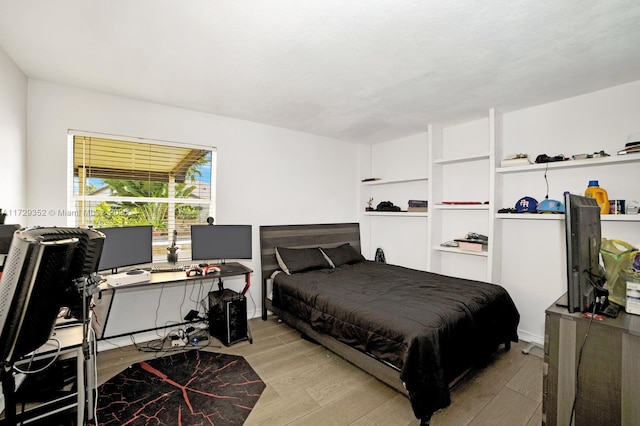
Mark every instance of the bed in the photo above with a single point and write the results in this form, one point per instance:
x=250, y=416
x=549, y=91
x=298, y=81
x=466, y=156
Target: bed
x=414, y=330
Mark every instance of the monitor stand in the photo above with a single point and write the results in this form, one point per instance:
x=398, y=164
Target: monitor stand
x=610, y=310
x=607, y=308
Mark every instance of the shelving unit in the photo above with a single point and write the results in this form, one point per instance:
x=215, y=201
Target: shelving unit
x=401, y=171
x=396, y=184
x=450, y=150
x=532, y=246
x=589, y=162
x=525, y=251
x=598, y=163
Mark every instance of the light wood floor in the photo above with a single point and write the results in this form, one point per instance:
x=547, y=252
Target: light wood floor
x=308, y=385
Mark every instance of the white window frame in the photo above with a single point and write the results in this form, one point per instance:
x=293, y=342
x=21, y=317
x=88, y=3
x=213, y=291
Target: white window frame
x=78, y=216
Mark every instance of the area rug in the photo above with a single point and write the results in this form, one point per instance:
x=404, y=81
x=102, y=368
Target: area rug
x=189, y=388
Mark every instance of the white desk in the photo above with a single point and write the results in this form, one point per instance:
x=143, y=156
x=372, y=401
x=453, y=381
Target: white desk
x=159, y=303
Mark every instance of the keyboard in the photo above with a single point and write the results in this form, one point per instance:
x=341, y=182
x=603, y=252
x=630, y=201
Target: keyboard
x=169, y=268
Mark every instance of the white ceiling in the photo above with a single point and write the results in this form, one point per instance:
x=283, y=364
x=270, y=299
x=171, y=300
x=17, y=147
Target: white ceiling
x=358, y=70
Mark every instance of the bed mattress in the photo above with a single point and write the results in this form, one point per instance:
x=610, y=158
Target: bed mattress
x=430, y=327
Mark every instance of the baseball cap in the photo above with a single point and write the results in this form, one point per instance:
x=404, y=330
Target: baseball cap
x=550, y=206
x=526, y=205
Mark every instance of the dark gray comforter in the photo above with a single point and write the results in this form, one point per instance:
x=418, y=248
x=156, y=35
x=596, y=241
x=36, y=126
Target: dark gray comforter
x=430, y=327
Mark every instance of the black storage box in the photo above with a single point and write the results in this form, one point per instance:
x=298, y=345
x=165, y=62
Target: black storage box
x=228, y=316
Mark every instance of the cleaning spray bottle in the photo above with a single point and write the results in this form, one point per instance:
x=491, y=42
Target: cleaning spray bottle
x=600, y=195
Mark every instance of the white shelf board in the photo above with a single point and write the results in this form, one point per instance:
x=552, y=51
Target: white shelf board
x=461, y=206
x=589, y=162
x=529, y=216
x=399, y=180
x=461, y=159
x=534, y=216
x=402, y=214
x=620, y=217
x=460, y=251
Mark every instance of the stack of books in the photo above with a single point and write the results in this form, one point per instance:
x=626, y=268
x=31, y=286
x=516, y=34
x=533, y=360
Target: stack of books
x=516, y=160
x=417, y=206
x=630, y=147
x=472, y=244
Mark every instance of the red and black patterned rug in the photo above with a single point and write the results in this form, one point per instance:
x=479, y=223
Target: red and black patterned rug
x=189, y=388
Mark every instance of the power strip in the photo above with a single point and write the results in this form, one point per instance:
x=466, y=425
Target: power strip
x=177, y=343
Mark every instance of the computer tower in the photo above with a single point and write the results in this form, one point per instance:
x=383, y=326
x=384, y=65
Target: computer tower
x=228, y=316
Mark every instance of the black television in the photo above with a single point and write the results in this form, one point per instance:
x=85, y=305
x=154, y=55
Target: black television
x=220, y=242
x=126, y=246
x=583, y=240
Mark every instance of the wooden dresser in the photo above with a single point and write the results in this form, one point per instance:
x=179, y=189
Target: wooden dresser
x=608, y=390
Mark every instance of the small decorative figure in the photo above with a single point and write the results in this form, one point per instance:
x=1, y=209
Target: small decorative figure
x=370, y=205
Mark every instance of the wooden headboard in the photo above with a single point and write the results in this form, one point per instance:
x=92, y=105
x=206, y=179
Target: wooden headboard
x=303, y=236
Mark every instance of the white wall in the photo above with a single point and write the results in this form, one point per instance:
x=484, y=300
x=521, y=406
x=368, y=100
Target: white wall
x=265, y=175
x=533, y=252
x=13, y=138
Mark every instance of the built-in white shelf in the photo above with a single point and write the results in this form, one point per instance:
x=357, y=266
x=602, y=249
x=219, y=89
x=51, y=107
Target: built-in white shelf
x=461, y=206
x=620, y=217
x=443, y=161
x=538, y=216
x=399, y=180
x=403, y=214
x=589, y=162
x=460, y=251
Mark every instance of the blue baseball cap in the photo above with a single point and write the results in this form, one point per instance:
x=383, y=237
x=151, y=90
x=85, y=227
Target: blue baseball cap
x=550, y=206
x=526, y=205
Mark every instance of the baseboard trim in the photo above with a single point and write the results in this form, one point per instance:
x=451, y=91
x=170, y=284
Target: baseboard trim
x=531, y=338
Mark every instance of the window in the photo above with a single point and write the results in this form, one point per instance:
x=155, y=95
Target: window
x=116, y=181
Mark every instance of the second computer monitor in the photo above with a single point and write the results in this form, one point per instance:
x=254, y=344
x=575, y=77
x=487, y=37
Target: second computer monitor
x=126, y=246
x=220, y=242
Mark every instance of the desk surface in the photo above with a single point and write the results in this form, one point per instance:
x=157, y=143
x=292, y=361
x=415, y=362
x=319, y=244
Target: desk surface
x=624, y=321
x=230, y=269
x=69, y=338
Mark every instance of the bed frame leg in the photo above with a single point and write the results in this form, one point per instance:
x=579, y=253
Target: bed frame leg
x=507, y=346
x=426, y=420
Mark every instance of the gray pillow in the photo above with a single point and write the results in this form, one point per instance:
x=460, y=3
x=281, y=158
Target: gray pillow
x=343, y=254
x=300, y=260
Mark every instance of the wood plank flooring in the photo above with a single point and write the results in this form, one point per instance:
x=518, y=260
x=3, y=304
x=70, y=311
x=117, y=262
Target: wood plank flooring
x=308, y=385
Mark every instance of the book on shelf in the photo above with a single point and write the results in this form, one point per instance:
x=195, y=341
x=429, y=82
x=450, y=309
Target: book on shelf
x=515, y=161
x=418, y=206
x=471, y=244
x=630, y=149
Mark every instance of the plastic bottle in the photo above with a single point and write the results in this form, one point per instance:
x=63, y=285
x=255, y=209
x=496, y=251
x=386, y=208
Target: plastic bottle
x=599, y=194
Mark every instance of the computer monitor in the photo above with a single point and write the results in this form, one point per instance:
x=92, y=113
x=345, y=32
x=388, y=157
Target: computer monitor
x=126, y=246
x=583, y=240
x=220, y=242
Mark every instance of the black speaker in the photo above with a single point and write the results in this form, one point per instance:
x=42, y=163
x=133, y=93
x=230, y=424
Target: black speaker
x=228, y=316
